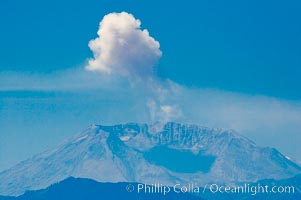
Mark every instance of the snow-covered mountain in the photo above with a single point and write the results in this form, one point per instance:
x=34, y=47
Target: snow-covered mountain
x=165, y=154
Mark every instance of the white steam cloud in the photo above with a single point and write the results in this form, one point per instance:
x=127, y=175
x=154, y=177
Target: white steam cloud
x=122, y=48
x=163, y=113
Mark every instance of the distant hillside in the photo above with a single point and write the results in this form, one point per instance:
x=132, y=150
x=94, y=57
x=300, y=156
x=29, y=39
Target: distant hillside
x=86, y=189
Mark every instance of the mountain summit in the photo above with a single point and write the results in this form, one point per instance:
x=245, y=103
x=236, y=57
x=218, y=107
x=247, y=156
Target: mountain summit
x=167, y=154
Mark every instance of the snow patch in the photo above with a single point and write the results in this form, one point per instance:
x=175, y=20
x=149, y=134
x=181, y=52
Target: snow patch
x=125, y=138
x=81, y=138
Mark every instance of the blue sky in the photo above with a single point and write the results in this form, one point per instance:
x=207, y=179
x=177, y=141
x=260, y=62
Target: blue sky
x=242, y=48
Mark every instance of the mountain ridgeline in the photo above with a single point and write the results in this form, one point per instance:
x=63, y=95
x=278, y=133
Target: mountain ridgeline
x=86, y=189
x=165, y=153
x=83, y=189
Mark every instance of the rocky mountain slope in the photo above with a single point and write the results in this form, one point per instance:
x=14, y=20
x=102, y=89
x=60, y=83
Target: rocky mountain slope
x=167, y=154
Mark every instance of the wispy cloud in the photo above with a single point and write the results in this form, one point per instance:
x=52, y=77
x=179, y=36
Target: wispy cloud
x=71, y=79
